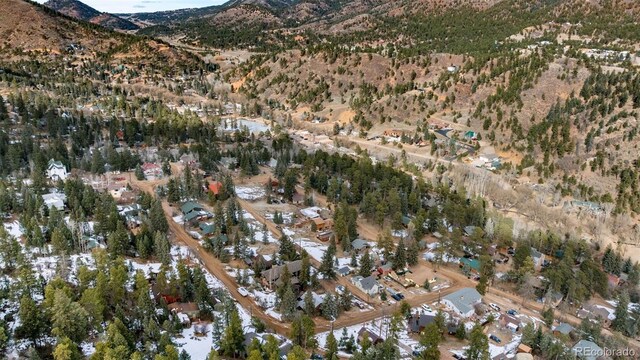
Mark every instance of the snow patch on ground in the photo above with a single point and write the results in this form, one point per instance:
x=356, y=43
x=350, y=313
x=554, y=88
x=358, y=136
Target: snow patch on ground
x=250, y=192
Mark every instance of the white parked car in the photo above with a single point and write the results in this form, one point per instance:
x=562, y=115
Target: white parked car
x=495, y=307
x=340, y=289
x=243, y=291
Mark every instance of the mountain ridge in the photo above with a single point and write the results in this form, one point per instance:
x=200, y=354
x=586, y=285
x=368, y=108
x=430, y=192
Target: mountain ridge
x=82, y=11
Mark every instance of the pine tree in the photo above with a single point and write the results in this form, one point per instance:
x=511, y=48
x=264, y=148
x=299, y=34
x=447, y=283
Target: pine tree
x=345, y=300
x=309, y=305
x=332, y=347
x=158, y=221
x=32, y=321
x=232, y=342
x=326, y=266
x=162, y=248
x=3, y=111
x=478, y=345
x=413, y=253
x=366, y=265
x=621, y=313
x=329, y=307
x=400, y=258
x=68, y=318
x=139, y=173
x=430, y=339
x=305, y=271
x=354, y=260
x=288, y=304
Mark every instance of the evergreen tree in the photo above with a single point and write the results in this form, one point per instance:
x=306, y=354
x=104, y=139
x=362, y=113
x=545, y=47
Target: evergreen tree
x=68, y=318
x=622, y=314
x=139, y=173
x=32, y=320
x=413, y=253
x=366, y=265
x=326, y=266
x=288, y=304
x=157, y=219
x=232, y=342
x=478, y=345
x=354, y=260
x=400, y=258
x=430, y=339
x=309, y=305
x=329, y=307
x=345, y=300
x=332, y=347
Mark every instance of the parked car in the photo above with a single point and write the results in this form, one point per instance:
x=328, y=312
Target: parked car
x=427, y=308
x=340, y=289
x=512, y=312
x=495, y=338
x=495, y=307
x=243, y=291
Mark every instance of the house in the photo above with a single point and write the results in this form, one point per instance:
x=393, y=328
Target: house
x=393, y=133
x=272, y=276
x=452, y=68
x=131, y=214
x=116, y=191
x=524, y=349
x=472, y=264
x=344, y=270
x=297, y=199
x=311, y=212
x=509, y=322
x=189, y=207
x=359, y=244
x=56, y=171
x=151, y=170
x=587, y=350
x=385, y=269
x=54, y=200
x=368, y=285
x=417, y=322
x=324, y=236
x=563, y=328
x=188, y=159
x=463, y=301
x=317, y=300
x=191, y=309
x=471, y=135
x=373, y=337
x=538, y=259
x=207, y=229
x=322, y=224
x=215, y=187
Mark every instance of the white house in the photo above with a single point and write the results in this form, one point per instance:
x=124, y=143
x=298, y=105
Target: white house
x=54, y=200
x=368, y=285
x=56, y=171
x=463, y=301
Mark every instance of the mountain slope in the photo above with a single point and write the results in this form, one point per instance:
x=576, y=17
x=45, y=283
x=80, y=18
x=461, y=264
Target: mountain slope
x=33, y=31
x=82, y=11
